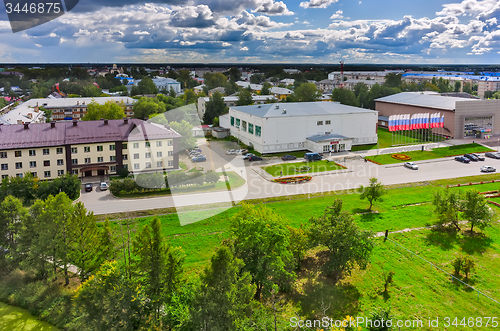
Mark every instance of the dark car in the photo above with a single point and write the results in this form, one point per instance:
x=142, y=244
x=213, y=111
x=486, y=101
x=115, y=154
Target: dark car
x=88, y=187
x=493, y=155
x=255, y=158
x=288, y=157
x=462, y=159
x=200, y=158
x=471, y=157
x=479, y=157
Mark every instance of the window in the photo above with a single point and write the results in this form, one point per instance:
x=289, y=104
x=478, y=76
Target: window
x=112, y=168
x=237, y=122
x=125, y=166
x=112, y=158
x=170, y=142
x=136, y=145
x=46, y=174
x=136, y=166
x=59, y=150
x=257, y=131
x=147, y=144
x=159, y=164
x=170, y=153
x=326, y=148
x=159, y=154
x=60, y=172
x=46, y=151
x=100, y=159
x=148, y=164
x=34, y=174
x=99, y=148
x=88, y=160
x=3, y=155
x=232, y=121
x=147, y=155
x=17, y=153
x=86, y=149
x=125, y=156
x=170, y=163
x=328, y=122
x=32, y=152
x=74, y=161
x=60, y=162
x=124, y=146
x=158, y=144
x=5, y=177
x=250, y=128
x=112, y=147
x=32, y=164
x=243, y=125
x=19, y=175
x=136, y=156
x=74, y=171
x=19, y=165
x=74, y=150
x=5, y=166
x=46, y=163
x=319, y=123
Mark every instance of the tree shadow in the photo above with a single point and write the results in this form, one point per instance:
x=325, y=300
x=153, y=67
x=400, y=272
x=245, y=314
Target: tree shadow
x=476, y=244
x=371, y=217
x=443, y=237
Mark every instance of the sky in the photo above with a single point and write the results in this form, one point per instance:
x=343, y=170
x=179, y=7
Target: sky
x=262, y=31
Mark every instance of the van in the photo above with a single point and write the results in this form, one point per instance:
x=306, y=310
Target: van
x=312, y=157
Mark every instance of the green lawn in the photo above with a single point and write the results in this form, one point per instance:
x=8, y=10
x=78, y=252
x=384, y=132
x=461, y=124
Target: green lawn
x=387, y=139
x=18, y=319
x=297, y=154
x=288, y=169
x=436, y=153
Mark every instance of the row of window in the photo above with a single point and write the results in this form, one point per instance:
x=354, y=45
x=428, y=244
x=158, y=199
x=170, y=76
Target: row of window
x=100, y=148
x=148, y=155
x=47, y=174
x=236, y=123
x=19, y=165
x=31, y=152
x=321, y=122
x=159, y=164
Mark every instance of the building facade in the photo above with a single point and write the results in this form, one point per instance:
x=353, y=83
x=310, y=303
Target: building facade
x=229, y=102
x=86, y=148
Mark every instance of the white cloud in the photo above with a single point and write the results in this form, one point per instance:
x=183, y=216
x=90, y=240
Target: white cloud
x=244, y=49
x=269, y=7
x=317, y=3
x=337, y=15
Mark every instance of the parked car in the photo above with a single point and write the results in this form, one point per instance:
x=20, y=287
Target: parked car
x=493, y=155
x=231, y=152
x=479, y=157
x=254, y=158
x=200, y=158
x=488, y=169
x=195, y=154
x=312, y=156
x=288, y=157
x=88, y=187
x=462, y=159
x=411, y=165
x=247, y=156
x=104, y=186
x=195, y=150
x=471, y=157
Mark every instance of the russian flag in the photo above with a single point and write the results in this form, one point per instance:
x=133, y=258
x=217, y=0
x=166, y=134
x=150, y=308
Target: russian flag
x=441, y=124
x=390, y=123
x=426, y=120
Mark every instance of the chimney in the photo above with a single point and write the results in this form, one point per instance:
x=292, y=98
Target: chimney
x=167, y=126
x=37, y=103
x=105, y=122
x=52, y=124
x=78, y=103
x=83, y=102
x=26, y=126
x=125, y=120
x=75, y=122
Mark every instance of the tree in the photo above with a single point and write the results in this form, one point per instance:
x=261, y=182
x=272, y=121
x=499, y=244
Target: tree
x=214, y=108
x=476, y=211
x=215, y=122
x=244, y=98
x=223, y=299
x=256, y=78
x=91, y=90
x=447, y=205
x=261, y=240
x=488, y=94
x=393, y=80
x=158, y=266
x=458, y=85
x=234, y=74
x=299, y=242
x=145, y=86
x=110, y=301
x=345, y=97
x=307, y=92
x=185, y=130
x=380, y=314
x=347, y=244
x=465, y=264
x=110, y=111
x=266, y=89
x=211, y=177
x=189, y=96
x=146, y=107
x=12, y=217
x=213, y=80
x=373, y=192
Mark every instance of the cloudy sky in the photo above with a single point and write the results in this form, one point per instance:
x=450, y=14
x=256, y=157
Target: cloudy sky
x=263, y=31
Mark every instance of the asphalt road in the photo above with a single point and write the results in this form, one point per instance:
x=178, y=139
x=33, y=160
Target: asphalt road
x=357, y=173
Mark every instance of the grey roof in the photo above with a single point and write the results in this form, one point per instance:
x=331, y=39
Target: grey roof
x=322, y=137
x=383, y=118
x=328, y=81
x=423, y=100
x=64, y=132
x=300, y=109
x=364, y=81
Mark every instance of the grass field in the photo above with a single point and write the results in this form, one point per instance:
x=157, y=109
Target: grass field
x=18, y=319
x=436, y=153
x=288, y=169
x=387, y=138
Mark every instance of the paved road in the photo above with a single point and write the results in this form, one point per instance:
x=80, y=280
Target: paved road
x=358, y=173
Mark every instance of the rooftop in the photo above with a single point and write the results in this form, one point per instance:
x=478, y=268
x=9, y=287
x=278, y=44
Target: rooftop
x=423, y=100
x=300, y=109
x=322, y=137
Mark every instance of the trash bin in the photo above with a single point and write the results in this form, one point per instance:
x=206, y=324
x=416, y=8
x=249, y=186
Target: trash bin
x=422, y=148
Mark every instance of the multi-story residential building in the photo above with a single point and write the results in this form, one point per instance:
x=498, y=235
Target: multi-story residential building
x=87, y=148
x=378, y=76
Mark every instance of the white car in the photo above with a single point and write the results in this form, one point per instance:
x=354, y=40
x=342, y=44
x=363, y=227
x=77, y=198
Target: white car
x=231, y=152
x=488, y=169
x=103, y=186
x=411, y=165
x=247, y=156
